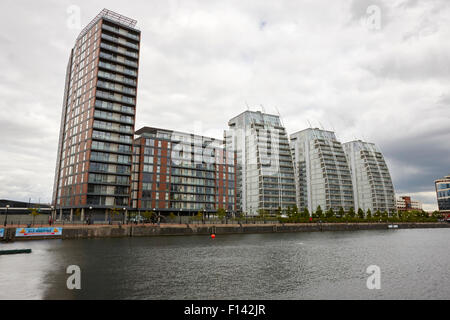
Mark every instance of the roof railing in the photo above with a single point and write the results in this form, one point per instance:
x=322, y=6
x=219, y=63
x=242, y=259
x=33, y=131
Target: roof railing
x=105, y=13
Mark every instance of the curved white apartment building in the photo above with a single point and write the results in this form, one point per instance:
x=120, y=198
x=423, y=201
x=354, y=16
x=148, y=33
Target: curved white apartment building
x=372, y=183
x=321, y=171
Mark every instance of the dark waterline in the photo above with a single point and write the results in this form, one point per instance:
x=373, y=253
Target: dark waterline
x=329, y=265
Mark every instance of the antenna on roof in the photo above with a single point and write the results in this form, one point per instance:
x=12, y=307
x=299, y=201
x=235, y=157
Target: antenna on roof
x=248, y=108
x=310, y=126
x=262, y=108
x=332, y=127
x=279, y=115
x=321, y=125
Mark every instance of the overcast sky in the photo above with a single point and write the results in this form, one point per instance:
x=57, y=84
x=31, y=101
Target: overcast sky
x=367, y=69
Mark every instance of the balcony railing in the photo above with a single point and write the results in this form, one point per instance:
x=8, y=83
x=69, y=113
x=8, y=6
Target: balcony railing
x=115, y=59
x=121, y=32
x=119, y=50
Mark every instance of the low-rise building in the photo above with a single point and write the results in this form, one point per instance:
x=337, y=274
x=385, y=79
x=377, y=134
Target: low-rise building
x=443, y=195
x=405, y=203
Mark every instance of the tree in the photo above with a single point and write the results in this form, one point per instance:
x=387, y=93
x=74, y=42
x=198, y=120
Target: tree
x=221, y=213
x=369, y=214
x=377, y=214
x=295, y=211
x=351, y=212
x=289, y=212
x=78, y=212
x=319, y=212
x=436, y=215
x=278, y=212
x=341, y=212
x=172, y=216
x=360, y=213
x=148, y=215
x=34, y=213
x=199, y=216
x=114, y=212
x=330, y=213
x=305, y=213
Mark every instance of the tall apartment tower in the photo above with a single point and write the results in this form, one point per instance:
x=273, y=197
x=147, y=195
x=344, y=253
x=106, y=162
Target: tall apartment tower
x=321, y=170
x=93, y=168
x=181, y=173
x=264, y=168
x=372, y=183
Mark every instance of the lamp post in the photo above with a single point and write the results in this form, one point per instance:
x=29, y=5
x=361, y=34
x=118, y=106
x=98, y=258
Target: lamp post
x=181, y=213
x=124, y=214
x=203, y=217
x=51, y=214
x=154, y=211
x=90, y=215
x=6, y=217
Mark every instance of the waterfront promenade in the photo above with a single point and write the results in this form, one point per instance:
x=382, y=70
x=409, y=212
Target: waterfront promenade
x=80, y=231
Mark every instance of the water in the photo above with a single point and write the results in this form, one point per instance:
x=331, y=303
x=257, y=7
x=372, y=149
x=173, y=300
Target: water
x=329, y=265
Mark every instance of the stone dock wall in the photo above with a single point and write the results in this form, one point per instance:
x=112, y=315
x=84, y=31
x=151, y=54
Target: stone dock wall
x=120, y=231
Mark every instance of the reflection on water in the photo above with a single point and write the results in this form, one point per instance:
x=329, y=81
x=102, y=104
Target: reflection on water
x=414, y=265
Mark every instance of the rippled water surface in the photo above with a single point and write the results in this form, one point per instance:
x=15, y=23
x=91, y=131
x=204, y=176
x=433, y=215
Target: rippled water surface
x=415, y=264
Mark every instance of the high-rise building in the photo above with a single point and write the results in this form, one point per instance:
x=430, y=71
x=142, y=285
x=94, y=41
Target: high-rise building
x=264, y=169
x=443, y=195
x=182, y=173
x=93, y=166
x=372, y=183
x=321, y=170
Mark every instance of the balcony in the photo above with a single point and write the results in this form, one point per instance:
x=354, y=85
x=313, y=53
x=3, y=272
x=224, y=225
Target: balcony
x=105, y=95
x=117, y=78
x=114, y=107
x=120, y=41
x=117, y=68
x=117, y=88
x=115, y=117
x=118, y=60
x=119, y=50
x=121, y=32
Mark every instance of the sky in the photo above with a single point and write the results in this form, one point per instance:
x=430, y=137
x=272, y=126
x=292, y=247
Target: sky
x=367, y=69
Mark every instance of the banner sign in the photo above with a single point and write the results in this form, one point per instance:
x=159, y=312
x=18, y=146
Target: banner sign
x=38, y=232
x=2, y=232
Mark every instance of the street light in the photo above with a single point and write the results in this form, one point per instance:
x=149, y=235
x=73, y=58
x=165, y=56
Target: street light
x=90, y=214
x=6, y=217
x=51, y=214
x=124, y=211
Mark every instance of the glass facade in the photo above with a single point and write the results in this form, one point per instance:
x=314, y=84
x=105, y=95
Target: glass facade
x=182, y=173
x=372, y=183
x=321, y=170
x=443, y=194
x=264, y=169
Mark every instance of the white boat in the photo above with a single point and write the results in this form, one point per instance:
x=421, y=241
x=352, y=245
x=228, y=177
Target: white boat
x=393, y=226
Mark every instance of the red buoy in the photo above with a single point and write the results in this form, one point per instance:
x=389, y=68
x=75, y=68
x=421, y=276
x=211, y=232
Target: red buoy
x=213, y=236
